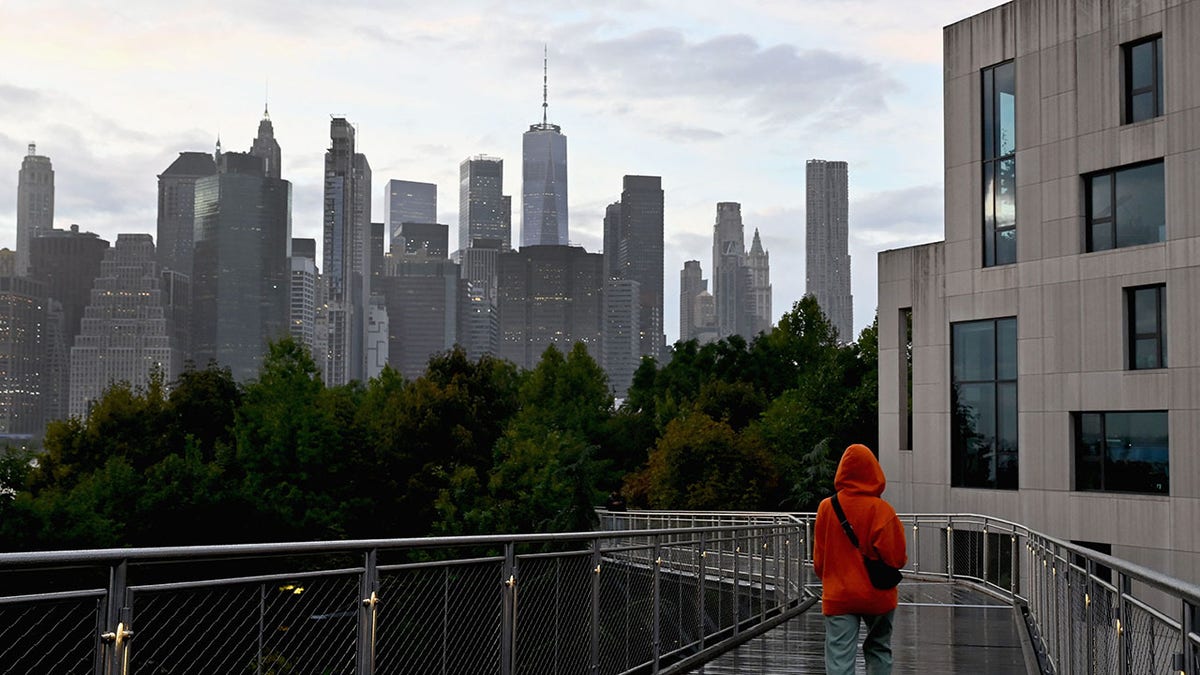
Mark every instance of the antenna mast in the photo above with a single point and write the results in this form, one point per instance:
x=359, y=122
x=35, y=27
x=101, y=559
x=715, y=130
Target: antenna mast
x=545, y=87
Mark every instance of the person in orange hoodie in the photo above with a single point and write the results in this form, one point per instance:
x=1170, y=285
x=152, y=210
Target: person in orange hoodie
x=848, y=598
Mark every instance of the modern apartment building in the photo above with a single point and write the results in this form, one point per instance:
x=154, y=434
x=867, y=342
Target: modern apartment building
x=1054, y=376
x=827, y=243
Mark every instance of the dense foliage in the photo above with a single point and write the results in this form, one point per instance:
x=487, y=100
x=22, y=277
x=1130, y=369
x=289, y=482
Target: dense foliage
x=469, y=447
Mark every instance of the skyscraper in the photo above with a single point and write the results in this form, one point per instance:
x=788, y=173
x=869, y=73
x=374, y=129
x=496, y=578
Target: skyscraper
x=728, y=277
x=544, y=182
x=345, y=254
x=691, y=284
x=35, y=203
x=827, y=248
x=126, y=333
x=176, y=208
x=741, y=280
x=621, y=336
x=483, y=211
x=758, y=263
x=303, y=291
x=23, y=318
x=67, y=262
x=549, y=295
x=243, y=233
x=266, y=148
x=422, y=295
x=613, y=258
x=642, y=244
x=407, y=201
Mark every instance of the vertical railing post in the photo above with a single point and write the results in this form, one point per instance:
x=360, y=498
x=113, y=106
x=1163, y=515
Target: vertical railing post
x=368, y=589
x=117, y=622
x=1089, y=592
x=1191, y=660
x=986, y=551
x=737, y=605
x=595, y=632
x=701, y=580
x=949, y=549
x=916, y=546
x=762, y=576
x=1014, y=566
x=262, y=622
x=1123, y=647
x=508, y=575
x=656, y=641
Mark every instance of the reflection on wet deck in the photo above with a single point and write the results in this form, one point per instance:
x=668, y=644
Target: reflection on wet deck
x=940, y=628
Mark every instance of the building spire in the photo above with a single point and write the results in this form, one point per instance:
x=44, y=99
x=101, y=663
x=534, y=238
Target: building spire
x=32, y=149
x=545, y=85
x=266, y=97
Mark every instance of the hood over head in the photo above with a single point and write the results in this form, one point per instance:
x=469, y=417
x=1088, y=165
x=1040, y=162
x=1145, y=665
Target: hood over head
x=859, y=472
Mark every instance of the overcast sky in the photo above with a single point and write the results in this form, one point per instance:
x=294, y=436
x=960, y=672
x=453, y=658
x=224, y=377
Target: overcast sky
x=724, y=100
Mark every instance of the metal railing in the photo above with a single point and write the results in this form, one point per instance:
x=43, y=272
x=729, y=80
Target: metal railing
x=1088, y=613
x=649, y=601
x=654, y=592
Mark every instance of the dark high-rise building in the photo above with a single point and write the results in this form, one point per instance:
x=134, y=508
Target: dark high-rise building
x=479, y=331
x=378, y=247
x=407, y=201
x=827, y=247
x=266, y=148
x=642, y=243
x=23, y=317
x=483, y=211
x=35, y=203
x=346, y=254
x=304, y=293
x=127, y=332
x=613, y=259
x=549, y=295
x=242, y=272
x=422, y=296
x=176, y=208
x=691, y=284
x=67, y=262
x=431, y=238
x=544, y=182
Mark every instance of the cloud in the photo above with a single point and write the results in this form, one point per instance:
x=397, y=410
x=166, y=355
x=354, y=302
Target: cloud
x=776, y=84
x=683, y=133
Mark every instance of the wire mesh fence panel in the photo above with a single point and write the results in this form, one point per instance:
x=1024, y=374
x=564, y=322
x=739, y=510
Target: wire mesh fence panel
x=473, y=622
x=1062, y=616
x=1153, y=642
x=1078, y=619
x=554, y=615
x=49, y=637
x=626, y=616
x=208, y=630
x=411, y=628
x=1104, y=633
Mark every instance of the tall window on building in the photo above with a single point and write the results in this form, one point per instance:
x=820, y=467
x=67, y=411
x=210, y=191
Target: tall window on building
x=1126, y=207
x=1121, y=452
x=1143, y=79
x=983, y=398
x=999, y=165
x=906, y=414
x=1147, y=316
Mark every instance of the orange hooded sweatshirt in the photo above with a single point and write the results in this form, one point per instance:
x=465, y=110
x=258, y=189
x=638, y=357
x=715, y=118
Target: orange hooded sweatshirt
x=846, y=589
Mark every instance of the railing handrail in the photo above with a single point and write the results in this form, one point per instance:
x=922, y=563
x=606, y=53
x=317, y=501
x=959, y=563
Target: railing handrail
x=1159, y=580
x=110, y=555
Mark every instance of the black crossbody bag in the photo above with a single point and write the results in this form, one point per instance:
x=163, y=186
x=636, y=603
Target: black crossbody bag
x=883, y=576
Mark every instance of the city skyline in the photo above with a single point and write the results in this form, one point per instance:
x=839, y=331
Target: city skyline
x=628, y=85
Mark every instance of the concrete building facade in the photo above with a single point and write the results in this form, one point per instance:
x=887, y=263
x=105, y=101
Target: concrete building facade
x=1054, y=376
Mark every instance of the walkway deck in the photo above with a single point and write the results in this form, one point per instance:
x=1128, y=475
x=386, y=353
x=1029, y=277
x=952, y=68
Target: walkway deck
x=940, y=628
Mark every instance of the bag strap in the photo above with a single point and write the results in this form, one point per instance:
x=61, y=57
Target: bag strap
x=837, y=508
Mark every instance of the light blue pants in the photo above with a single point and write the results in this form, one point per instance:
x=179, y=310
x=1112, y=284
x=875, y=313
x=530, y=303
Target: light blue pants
x=841, y=642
